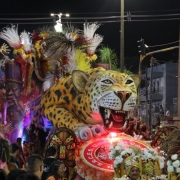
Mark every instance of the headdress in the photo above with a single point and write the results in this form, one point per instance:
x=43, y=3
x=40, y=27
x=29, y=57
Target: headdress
x=149, y=161
x=129, y=163
x=13, y=72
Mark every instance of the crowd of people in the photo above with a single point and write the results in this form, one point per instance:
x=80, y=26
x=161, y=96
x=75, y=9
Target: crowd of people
x=19, y=162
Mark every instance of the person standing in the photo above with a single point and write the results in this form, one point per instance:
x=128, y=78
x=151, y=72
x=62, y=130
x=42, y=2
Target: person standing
x=161, y=113
x=51, y=155
x=35, y=165
x=58, y=171
x=13, y=162
x=20, y=155
x=167, y=112
x=132, y=172
x=161, y=110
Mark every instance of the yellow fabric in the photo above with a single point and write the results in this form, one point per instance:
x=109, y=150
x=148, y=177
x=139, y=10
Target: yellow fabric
x=157, y=170
x=148, y=168
x=172, y=176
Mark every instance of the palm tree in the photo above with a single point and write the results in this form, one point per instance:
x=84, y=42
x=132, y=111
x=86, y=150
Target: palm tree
x=108, y=56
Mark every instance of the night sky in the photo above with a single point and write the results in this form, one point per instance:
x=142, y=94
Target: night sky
x=153, y=31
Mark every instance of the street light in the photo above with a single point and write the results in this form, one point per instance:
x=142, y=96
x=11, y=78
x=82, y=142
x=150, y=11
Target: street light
x=58, y=26
x=122, y=37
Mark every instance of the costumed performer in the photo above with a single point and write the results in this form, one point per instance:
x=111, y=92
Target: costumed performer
x=132, y=171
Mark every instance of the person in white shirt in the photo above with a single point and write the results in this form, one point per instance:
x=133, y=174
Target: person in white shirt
x=167, y=112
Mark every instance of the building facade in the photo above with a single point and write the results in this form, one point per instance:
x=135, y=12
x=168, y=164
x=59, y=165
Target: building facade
x=159, y=87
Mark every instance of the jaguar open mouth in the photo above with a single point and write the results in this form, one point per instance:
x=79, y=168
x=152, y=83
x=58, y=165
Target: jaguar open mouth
x=113, y=120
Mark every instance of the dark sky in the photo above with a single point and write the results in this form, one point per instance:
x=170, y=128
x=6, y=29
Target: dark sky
x=153, y=31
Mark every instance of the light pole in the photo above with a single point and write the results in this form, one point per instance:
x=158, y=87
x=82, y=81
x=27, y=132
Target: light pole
x=122, y=37
x=58, y=26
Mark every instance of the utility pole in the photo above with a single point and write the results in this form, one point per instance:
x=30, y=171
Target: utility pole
x=122, y=37
x=146, y=86
x=178, y=94
x=152, y=61
x=178, y=108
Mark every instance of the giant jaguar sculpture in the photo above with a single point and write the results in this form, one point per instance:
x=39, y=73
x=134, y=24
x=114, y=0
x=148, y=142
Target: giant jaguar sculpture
x=98, y=96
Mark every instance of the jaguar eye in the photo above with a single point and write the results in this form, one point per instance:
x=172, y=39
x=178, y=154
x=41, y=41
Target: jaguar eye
x=107, y=81
x=129, y=81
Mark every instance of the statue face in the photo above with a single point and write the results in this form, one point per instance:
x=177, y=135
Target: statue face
x=13, y=89
x=13, y=93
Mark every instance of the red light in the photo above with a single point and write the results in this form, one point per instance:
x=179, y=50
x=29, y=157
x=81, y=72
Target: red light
x=113, y=134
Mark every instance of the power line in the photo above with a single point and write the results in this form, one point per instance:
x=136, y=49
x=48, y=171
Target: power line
x=164, y=44
x=81, y=22
x=114, y=19
x=93, y=13
x=103, y=17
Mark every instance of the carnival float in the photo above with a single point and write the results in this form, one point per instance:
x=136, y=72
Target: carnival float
x=50, y=79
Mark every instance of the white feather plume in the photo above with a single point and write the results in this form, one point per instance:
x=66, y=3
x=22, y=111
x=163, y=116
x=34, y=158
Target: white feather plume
x=72, y=65
x=97, y=39
x=10, y=34
x=26, y=41
x=89, y=30
x=48, y=81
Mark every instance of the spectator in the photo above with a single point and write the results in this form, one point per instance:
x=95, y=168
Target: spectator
x=2, y=175
x=4, y=152
x=157, y=121
x=42, y=137
x=32, y=135
x=161, y=110
x=27, y=150
x=58, y=171
x=4, y=155
x=14, y=174
x=35, y=165
x=27, y=176
x=20, y=155
x=13, y=162
x=167, y=113
x=37, y=143
x=51, y=155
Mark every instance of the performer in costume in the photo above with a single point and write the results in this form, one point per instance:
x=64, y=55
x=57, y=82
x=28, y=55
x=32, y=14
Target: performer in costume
x=132, y=171
x=137, y=163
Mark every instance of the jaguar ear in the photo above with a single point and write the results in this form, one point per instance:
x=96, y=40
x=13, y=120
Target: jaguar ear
x=136, y=79
x=79, y=79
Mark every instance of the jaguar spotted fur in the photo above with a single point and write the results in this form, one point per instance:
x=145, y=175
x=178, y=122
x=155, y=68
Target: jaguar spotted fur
x=97, y=96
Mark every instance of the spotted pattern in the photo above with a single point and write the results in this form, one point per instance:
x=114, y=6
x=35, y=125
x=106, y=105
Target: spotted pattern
x=77, y=99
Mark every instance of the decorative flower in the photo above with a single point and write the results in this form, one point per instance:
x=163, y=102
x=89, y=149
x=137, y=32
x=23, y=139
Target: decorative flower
x=117, y=148
x=170, y=168
x=163, y=177
x=119, y=158
x=174, y=157
x=178, y=170
x=128, y=163
x=168, y=163
x=176, y=163
x=126, y=155
x=111, y=148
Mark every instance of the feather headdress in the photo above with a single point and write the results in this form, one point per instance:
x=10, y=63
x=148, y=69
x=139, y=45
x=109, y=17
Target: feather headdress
x=10, y=34
x=26, y=41
x=97, y=39
x=48, y=81
x=89, y=30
